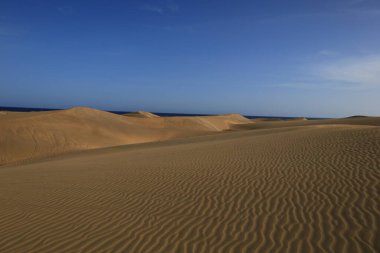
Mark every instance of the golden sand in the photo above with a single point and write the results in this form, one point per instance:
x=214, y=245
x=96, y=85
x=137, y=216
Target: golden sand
x=281, y=186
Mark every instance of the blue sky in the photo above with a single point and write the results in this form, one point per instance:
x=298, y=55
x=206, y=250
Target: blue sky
x=275, y=57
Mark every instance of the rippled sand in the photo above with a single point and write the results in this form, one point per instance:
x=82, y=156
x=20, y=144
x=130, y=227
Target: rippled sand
x=268, y=187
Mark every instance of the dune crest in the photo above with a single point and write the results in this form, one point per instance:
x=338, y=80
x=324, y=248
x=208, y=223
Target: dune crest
x=298, y=118
x=39, y=134
x=357, y=116
x=141, y=114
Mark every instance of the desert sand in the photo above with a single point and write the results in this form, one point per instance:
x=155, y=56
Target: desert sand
x=141, y=114
x=69, y=183
x=30, y=135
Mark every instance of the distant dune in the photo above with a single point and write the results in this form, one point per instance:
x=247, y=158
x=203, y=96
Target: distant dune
x=267, y=124
x=298, y=118
x=357, y=116
x=141, y=114
x=31, y=135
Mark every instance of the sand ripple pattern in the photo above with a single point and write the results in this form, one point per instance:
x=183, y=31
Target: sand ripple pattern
x=309, y=189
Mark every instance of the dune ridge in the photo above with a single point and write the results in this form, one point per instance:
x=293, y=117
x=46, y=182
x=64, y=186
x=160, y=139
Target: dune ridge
x=291, y=189
x=141, y=114
x=41, y=134
x=256, y=124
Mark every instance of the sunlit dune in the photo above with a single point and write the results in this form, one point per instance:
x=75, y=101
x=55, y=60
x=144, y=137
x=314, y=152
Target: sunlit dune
x=141, y=114
x=40, y=134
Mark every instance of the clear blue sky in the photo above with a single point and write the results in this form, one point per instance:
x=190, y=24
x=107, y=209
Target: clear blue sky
x=275, y=57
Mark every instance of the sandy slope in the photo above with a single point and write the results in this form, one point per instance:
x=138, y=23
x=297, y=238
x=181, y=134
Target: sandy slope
x=141, y=114
x=284, y=189
x=40, y=134
x=275, y=123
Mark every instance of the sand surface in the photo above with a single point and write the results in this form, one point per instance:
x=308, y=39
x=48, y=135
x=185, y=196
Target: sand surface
x=141, y=114
x=30, y=135
x=294, y=186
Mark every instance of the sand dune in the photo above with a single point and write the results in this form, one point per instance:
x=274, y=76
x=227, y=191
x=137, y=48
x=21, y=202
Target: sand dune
x=32, y=135
x=197, y=123
x=298, y=118
x=141, y=114
x=309, y=188
x=266, y=124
